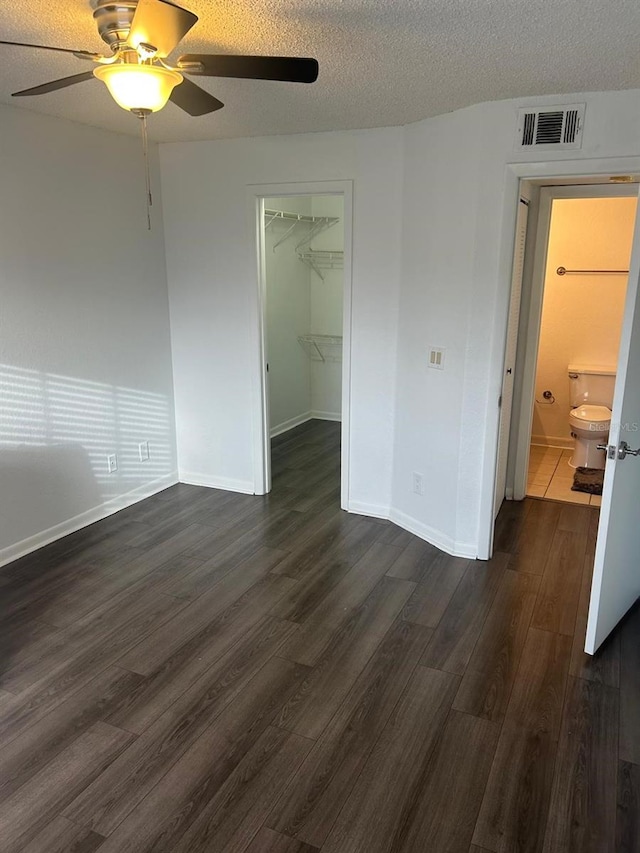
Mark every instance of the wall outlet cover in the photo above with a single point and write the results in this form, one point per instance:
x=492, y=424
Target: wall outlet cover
x=112, y=463
x=436, y=358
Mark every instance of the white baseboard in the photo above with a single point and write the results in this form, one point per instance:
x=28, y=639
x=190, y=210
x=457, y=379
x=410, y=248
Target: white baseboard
x=553, y=441
x=326, y=416
x=433, y=536
x=285, y=426
x=227, y=484
x=372, y=510
x=292, y=423
x=423, y=531
x=45, y=537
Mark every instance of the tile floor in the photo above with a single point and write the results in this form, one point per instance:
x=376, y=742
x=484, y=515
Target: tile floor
x=551, y=476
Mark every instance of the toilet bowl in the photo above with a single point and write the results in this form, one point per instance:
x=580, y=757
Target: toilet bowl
x=591, y=397
x=589, y=427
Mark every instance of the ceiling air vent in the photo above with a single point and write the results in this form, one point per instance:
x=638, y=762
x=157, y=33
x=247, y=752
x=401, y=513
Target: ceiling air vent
x=551, y=127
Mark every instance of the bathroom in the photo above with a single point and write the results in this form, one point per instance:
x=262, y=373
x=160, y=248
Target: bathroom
x=584, y=292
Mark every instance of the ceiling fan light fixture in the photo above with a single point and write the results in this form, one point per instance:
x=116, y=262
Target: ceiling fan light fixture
x=138, y=87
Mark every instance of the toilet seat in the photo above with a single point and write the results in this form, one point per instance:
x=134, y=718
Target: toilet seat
x=595, y=414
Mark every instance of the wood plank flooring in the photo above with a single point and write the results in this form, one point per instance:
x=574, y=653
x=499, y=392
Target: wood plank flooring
x=208, y=672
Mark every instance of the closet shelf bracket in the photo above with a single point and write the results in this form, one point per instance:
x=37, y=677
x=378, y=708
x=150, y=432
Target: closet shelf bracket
x=322, y=347
x=319, y=260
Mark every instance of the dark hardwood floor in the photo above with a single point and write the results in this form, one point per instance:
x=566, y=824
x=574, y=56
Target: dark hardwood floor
x=208, y=671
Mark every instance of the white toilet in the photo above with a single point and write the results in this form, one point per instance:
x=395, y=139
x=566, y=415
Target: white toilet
x=591, y=394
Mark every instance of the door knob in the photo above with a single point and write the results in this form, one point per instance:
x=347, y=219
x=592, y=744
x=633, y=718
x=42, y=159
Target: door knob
x=625, y=450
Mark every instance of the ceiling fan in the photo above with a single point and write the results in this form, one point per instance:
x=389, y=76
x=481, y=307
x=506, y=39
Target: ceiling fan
x=140, y=35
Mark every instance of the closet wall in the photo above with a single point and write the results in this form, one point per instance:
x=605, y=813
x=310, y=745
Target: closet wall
x=288, y=313
x=300, y=304
x=326, y=312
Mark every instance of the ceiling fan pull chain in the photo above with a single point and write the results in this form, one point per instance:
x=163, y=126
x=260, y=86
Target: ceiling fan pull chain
x=147, y=176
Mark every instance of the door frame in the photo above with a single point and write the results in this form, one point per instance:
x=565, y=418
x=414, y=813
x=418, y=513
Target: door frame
x=540, y=174
x=256, y=194
x=508, y=405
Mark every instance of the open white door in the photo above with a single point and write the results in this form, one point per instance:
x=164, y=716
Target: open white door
x=616, y=572
x=506, y=399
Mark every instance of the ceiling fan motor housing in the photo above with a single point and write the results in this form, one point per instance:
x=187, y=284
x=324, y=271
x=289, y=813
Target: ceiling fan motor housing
x=113, y=18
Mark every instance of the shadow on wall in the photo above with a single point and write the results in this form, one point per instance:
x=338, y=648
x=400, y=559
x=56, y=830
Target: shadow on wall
x=55, y=435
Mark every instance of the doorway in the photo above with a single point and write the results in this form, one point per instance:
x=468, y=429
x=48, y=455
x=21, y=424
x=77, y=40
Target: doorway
x=616, y=582
x=584, y=284
x=573, y=279
x=304, y=307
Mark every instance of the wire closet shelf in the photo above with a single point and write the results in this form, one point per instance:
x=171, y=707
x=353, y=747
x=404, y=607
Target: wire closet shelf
x=318, y=260
x=322, y=347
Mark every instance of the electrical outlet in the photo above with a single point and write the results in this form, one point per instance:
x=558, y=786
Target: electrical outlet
x=436, y=358
x=143, y=451
x=112, y=462
x=418, y=483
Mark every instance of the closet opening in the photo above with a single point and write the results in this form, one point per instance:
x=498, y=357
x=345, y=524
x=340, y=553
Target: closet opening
x=303, y=297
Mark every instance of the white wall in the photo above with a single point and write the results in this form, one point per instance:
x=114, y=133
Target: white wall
x=437, y=254
x=326, y=310
x=85, y=362
x=288, y=305
x=581, y=314
x=460, y=203
x=212, y=285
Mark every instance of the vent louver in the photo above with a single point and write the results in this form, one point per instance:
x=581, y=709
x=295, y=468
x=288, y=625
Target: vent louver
x=557, y=127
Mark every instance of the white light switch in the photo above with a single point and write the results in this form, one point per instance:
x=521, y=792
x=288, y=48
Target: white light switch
x=436, y=358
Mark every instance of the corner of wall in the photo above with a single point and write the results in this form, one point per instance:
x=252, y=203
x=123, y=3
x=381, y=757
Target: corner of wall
x=84, y=519
x=86, y=366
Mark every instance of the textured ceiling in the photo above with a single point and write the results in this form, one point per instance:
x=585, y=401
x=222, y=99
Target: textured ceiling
x=381, y=63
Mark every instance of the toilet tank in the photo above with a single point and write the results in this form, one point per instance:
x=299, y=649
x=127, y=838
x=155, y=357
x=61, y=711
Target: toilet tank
x=591, y=384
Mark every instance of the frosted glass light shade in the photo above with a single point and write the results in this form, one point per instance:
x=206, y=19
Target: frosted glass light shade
x=138, y=87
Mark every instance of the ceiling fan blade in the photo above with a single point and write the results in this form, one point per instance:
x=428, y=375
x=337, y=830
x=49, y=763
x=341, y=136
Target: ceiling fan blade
x=62, y=83
x=194, y=100
x=160, y=24
x=288, y=68
x=81, y=53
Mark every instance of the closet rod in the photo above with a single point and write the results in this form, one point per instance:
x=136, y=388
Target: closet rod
x=565, y=271
x=296, y=217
